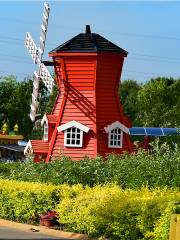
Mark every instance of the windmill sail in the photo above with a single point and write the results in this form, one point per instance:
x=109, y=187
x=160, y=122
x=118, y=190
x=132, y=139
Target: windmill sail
x=36, y=54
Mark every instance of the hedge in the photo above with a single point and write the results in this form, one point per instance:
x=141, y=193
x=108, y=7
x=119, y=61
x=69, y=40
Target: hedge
x=25, y=201
x=162, y=168
x=113, y=213
x=102, y=211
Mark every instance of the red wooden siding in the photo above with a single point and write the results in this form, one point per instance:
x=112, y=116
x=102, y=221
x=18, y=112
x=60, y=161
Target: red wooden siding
x=80, y=104
x=108, y=107
x=39, y=146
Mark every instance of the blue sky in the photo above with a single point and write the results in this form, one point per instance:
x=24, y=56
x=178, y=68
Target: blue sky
x=149, y=31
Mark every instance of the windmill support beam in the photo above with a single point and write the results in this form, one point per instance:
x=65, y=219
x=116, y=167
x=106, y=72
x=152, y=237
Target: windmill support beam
x=49, y=63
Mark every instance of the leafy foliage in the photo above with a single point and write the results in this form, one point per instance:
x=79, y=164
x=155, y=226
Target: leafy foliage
x=128, y=95
x=15, y=99
x=159, y=103
x=24, y=202
x=15, y=103
x=114, y=213
x=162, y=168
x=155, y=103
x=102, y=211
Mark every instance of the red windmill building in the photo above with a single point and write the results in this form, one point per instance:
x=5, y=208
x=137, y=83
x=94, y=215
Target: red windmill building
x=87, y=118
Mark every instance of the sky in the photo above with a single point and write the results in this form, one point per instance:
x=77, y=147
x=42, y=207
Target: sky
x=149, y=31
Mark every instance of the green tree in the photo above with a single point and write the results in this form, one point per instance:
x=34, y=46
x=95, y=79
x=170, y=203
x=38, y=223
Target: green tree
x=15, y=103
x=128, y=94
x=15, y=99
x=158, y=103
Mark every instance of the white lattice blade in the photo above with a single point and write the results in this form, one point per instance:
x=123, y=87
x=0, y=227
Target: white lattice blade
x=36, y=75
x=33, y=108
x=44, y=27
x=46, y=77
x=34, y=96
x=31, y=47
x=32, y=116
x=46, y=9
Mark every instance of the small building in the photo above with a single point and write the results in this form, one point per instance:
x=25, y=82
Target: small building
x=11, y=147
x=87, y=118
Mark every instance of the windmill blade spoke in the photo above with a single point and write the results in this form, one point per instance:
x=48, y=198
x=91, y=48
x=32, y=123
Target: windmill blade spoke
x=34, y=96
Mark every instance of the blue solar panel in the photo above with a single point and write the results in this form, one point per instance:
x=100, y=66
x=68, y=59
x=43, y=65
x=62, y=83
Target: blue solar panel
x=150, y=131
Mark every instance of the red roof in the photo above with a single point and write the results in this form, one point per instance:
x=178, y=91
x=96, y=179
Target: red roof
x=39, y=146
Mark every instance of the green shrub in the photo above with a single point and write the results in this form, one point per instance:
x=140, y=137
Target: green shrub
x=114, y=213
x=23, y=201
x=162, y=168
x=101, y=211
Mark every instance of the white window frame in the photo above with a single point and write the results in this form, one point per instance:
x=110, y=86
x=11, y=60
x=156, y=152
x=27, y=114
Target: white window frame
x=70, y=125
x=115, y=137
x=70, y=132
x=113, y=126
x=46, y=131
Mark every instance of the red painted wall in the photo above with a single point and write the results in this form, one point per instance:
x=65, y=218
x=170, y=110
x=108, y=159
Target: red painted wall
x=80, y=103
x=108, y=105
x=88, y=85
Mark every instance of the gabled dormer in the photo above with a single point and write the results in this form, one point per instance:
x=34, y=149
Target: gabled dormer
x=48, y=123
x=73, y=133
x=115, y=134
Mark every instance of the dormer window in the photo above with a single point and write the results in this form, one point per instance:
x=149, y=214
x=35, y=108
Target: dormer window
x=73, y=133
x=115, y=134
x=73, y=137
x=115, y=138
x=48, y=123
x=45, y=132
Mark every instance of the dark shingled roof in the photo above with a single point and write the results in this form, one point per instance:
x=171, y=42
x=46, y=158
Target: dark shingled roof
x=12, y=147
x=88, y=42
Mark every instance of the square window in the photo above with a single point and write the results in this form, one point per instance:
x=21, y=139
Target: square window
x=118, y=143
x=115, y=137
x=73, y=137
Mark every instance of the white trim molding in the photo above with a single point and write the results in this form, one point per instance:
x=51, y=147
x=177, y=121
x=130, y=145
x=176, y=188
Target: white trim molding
x=28, y=147
x=73, y=124
x=73, y=133
x=44, y=120
x=46, y=132
x=116, y=124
